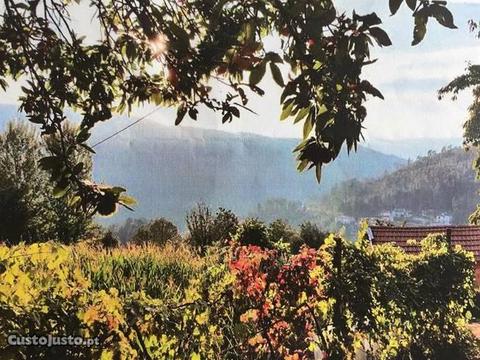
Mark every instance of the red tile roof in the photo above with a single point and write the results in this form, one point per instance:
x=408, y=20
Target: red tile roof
x=466, y=236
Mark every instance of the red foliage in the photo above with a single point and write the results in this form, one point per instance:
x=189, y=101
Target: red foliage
x=278, y=296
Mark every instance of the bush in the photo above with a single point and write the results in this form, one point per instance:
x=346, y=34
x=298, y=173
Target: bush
x=345, y=298
x=282, y=236
x=157, y=231
x=225, y=224
x=253, y=232
x=105, y=295
x=108, y=240
x=206, y=229
x=311, y=235
x=169, y=303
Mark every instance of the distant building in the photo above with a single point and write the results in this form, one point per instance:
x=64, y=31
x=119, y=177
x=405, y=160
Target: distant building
x=443, y=219
x=420, y=220
x=345, y=220
x=468, y=237
x=392, y=215
x=386, y=216
x=400, y=213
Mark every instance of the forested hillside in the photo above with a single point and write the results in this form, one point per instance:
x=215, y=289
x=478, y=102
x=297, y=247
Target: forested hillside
x=169, y=169
x=443, y=182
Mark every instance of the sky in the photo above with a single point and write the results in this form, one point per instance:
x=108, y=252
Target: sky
x=409, y=78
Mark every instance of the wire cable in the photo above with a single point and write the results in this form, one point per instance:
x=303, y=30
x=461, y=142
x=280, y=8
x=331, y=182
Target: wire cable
x=126, y=127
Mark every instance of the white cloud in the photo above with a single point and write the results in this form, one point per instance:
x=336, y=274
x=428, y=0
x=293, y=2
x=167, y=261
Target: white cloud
x=441, y=65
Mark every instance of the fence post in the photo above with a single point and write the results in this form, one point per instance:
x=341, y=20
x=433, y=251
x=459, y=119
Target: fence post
x=338, y=321
x=449, y=237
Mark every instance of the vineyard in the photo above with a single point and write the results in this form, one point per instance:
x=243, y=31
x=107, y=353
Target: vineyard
x=239, y=302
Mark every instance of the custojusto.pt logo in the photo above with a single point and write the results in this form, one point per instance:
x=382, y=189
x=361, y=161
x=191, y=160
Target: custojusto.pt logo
x=50, y=340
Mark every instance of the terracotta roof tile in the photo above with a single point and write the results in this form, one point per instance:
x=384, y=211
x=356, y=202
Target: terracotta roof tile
x=466, y=236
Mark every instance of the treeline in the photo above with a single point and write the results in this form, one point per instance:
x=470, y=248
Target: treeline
x=207, y=228
x=443, y=182
x=32, y=210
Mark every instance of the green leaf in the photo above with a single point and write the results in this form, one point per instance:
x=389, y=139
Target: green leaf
x=420, y=29
x=117, y=190
x=412, y=4
x=181, y=112
x=370, y=89
x=86, y=147
x=192, y=112
x=257, y=73
x=288, y=91
x=277, y=74
x=302, y=165
x=443, y=16
x=394, y=5
x=235, y=112
x=227, y=117
x=380, y=36
x=59, y=191
x=83, y=135
x=307, y=126
x=127, y=201
x=368, y=20
x=301, y=114
x=318, y=172
x=286, y=111
x=274, y=57
x=301, y=145
x=49, y=162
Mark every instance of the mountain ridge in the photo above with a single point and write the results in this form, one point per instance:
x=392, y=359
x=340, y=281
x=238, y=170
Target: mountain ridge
x=442, y=182
x=237, y=171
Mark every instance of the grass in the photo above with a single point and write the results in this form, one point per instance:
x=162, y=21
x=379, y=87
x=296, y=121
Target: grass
x=160, y=272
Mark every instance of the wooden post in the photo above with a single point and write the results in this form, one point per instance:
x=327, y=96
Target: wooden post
x=449, y=237
x=338, y=320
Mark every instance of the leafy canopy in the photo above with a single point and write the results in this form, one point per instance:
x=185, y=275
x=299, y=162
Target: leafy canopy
x=170, y=53
x=31, y=208
x=471, y=134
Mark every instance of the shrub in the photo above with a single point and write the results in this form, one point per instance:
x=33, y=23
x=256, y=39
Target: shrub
x=253, y=232
x=283, y=237
x=345, y=298
x=170, y=303
x=225, y=224
x=311, y=235
x=206, y=229
x=108, y=240
x=157, y=231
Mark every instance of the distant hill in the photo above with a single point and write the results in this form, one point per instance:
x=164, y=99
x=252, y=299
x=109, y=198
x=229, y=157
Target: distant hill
x=442, y=182
x=169, y=169
x=412, y=148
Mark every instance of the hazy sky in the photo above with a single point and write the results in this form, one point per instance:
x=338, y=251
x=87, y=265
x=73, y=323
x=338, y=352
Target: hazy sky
x=408, y=77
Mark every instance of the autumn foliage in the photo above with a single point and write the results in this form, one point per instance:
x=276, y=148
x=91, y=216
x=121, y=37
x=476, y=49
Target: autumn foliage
x=240, y=302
